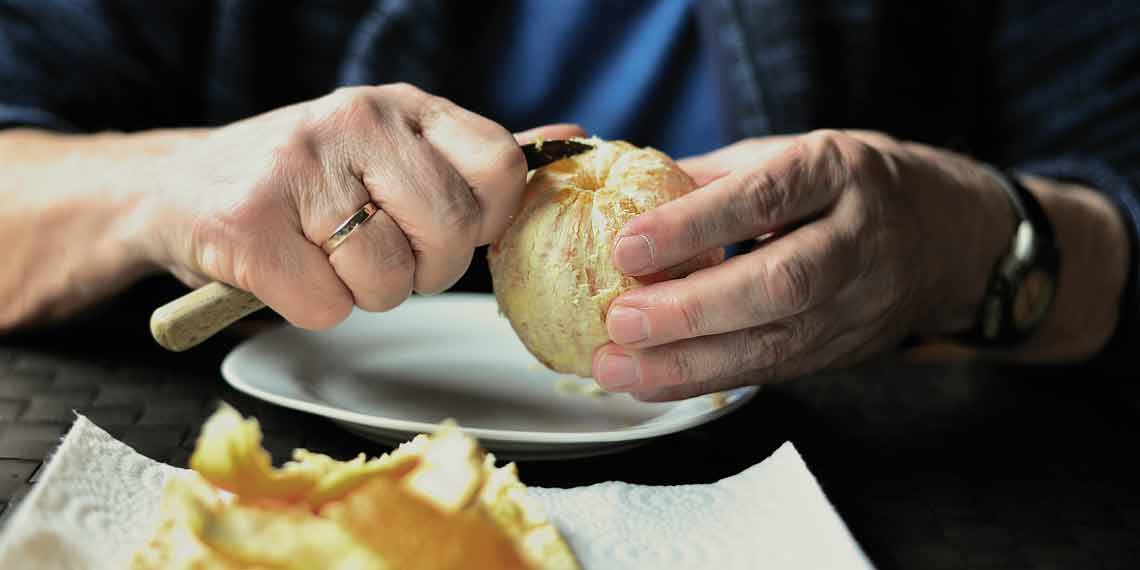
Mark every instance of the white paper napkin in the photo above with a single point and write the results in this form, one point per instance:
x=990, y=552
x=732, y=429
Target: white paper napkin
x=98, y=500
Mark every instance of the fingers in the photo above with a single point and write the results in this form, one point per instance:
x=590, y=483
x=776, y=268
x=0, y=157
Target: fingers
x=293, y=277
x=381, y=134
x=550, y=132
x=828, y=355
x=485, y=155
x=766, y=351
x=445, y=179
x=261, y=246
x=434, y=210
x=802, y=180
x=750, y=153
x=189, y=278
x=786, y=277
x=449, y=178
x=684, y=391
x=377, y=264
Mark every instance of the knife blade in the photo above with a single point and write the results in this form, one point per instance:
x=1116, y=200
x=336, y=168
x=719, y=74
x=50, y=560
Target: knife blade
x=542, y=153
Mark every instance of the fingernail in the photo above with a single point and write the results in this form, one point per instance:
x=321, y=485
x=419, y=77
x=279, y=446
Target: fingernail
x=616, y=371
x=633, y=254
x=627, y=325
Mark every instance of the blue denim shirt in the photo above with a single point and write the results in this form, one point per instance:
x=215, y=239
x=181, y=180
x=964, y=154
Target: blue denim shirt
x=635, y=71
x=1047, y=87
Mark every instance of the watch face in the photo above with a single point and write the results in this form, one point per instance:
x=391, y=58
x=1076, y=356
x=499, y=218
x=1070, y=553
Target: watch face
x=1033, y=299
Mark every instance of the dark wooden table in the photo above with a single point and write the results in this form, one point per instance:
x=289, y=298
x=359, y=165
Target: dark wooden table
x=930, y=466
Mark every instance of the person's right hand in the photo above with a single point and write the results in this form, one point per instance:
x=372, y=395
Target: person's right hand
x=251, y=203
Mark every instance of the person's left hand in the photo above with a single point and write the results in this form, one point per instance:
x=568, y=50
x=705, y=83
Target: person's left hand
x=872, y=240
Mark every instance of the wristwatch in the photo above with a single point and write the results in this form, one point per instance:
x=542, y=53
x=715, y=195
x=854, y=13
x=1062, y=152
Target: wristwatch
x=1024, y=281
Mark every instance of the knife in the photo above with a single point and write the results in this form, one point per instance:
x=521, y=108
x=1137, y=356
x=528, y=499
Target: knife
x=200, y=314
x=542, y=153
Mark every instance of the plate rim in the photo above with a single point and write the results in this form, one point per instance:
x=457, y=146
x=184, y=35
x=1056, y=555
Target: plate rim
x=737, y=397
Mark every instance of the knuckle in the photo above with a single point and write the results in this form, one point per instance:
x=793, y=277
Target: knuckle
x=248, y=269
x=851, y=155
x=403, y=88
x=787, y=283
x=860, y=236
x=340, y=96
x=300, y=150
x=388, y=299
x=342, y=119
x=772, y=345
x=398, y=258
x=397, y=263
x=829, y=154
x=859, y=157
x=352, y=100
x=670, y=231
x=401, y=92
x=510, y=159
x=682, y=369
x=793, y=283
x=820, y=146
x=359, y=110
x=333, y=312
x=220, y=250
x=691, y=311
x=210, y=260
x=826, y=138
x=455, y=213
x=430, y=111
x=763, y=196
x=875, y=138
x=444, y=274
x=667, y=366
x=798, y=333
x=459, y=211
x=420, y=109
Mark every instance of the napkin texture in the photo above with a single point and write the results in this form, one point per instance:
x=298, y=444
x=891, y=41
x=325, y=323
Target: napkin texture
x=98, y=500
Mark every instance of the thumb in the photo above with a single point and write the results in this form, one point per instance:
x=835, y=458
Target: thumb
x=550, y=132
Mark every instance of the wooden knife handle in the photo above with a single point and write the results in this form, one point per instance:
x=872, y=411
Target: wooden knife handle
x=200, y=314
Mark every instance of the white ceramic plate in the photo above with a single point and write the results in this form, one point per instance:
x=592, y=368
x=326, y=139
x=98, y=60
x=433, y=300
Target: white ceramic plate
x=389, y=376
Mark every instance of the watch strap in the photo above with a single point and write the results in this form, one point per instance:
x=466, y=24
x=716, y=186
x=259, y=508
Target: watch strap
x=1032, y=260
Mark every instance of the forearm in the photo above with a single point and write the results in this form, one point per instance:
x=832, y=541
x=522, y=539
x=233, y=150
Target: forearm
x=67, y=221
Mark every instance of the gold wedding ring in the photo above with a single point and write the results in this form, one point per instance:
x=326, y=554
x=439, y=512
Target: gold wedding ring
x=366, y=211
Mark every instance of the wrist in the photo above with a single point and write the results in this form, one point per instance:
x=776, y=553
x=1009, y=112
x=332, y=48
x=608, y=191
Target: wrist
x=971, y=229
x=1093, y=240
x=146, y=161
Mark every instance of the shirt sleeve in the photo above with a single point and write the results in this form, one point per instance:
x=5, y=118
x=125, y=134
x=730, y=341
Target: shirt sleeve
x=1069, y=94
x=91, y=65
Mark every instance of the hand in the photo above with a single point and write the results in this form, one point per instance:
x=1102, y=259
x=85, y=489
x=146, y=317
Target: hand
x=251, y=203
x=873, y=240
